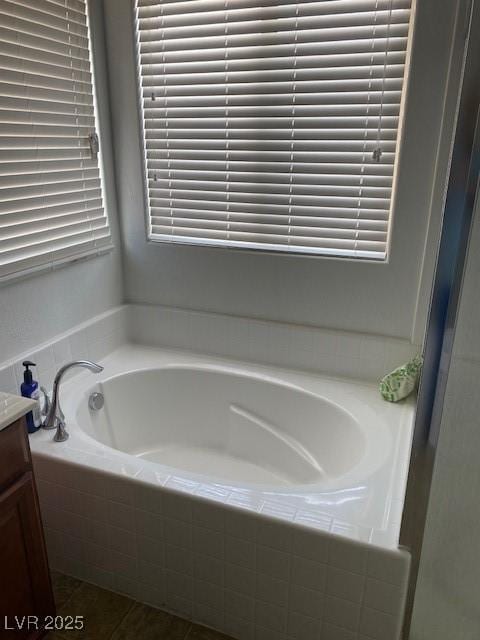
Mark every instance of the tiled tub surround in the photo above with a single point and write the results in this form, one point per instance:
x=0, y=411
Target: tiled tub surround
x=291, y=562
x=250, y=575
x=93, y=339
x=333, y=353
x=251, y=568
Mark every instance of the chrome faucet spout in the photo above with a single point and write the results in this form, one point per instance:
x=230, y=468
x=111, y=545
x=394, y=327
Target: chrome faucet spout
x=55, y=418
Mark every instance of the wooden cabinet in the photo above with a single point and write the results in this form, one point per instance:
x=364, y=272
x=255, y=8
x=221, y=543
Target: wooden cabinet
x=25, y=586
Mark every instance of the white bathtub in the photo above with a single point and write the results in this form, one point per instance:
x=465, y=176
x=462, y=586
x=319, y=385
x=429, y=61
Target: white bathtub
x=302, y=451
x=301, y=440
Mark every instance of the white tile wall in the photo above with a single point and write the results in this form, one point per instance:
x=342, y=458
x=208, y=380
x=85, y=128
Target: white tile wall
x=335, y=353
x=246, y=574
x=90, y=340
x=307, y=348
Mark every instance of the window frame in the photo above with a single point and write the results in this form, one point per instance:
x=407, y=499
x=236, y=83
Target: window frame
x=201, y=242
x=53, y=264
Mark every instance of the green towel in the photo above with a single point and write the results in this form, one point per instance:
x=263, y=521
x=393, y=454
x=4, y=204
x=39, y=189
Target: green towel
x=402, y=381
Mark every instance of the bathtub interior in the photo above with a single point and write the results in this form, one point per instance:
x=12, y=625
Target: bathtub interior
x=232, y=426
x=244, y=434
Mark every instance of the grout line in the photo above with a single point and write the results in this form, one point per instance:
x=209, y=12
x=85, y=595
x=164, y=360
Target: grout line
x=123, y=618
x=133, y=602
x=58, y=632
x=80, y=586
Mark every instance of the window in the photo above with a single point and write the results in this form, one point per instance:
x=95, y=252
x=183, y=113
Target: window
x=51, y=207
x=272, y=125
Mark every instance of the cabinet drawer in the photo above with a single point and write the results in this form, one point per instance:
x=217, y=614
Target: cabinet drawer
x=15, y=452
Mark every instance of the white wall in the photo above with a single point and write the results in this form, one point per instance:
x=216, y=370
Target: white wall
x=349, y=295
x=36, y=308
x=447, y=602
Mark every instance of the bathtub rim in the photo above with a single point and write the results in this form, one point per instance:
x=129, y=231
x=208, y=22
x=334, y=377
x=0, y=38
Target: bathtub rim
x=118, y=463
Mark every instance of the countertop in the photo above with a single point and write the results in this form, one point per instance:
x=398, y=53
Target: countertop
x=13, y=407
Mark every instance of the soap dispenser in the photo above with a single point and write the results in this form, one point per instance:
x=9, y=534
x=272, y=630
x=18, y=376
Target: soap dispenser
x=29, y=389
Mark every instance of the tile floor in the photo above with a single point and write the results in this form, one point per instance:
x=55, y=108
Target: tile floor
x=110, y=616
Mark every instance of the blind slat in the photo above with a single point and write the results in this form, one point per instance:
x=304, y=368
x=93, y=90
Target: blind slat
x=36, y=181
x=273, y=16
x=244, y=42
x=303, y=30
x=45, y=108
x=147, y=8
x=31, y=216
x=59, y=27
x=40, y=154
x=47, y=120
x=274, y=176
x=393, y=69
x=245, y=136
x=29, y=77
x=47, y=242
x=69, y=95
x=58, y=8
x=272, y=126
x=13, y=48
x=37, y=232
x=349, y=53
x=37, y=202
x=18, y=62
x=64, y=250
x=32, y=142
x=164, y=216
x=48, y=169
x=338, y=214
x=272, y=149
x=355, y=122
x=268, y=238
x=39, y=41
x=91, y=209
x=296, y=230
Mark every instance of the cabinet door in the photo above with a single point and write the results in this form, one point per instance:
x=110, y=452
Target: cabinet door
x=25, y=588
x=15, y=453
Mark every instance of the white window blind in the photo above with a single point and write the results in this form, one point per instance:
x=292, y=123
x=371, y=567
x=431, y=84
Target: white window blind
x=272, y=124
x=51, y=206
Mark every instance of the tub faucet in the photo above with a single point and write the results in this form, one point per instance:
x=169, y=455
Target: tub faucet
x=55, y=418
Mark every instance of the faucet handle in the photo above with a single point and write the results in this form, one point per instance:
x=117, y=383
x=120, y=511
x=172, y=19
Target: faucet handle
x=61, y=433
x=45, y=408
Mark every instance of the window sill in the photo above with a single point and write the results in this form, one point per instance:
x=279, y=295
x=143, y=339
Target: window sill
x=56, y=264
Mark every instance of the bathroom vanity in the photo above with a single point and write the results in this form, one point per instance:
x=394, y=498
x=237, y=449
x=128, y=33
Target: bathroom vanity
x=26, y=596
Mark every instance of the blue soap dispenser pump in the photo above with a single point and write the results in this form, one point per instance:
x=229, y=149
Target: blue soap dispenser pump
x=29, y=389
